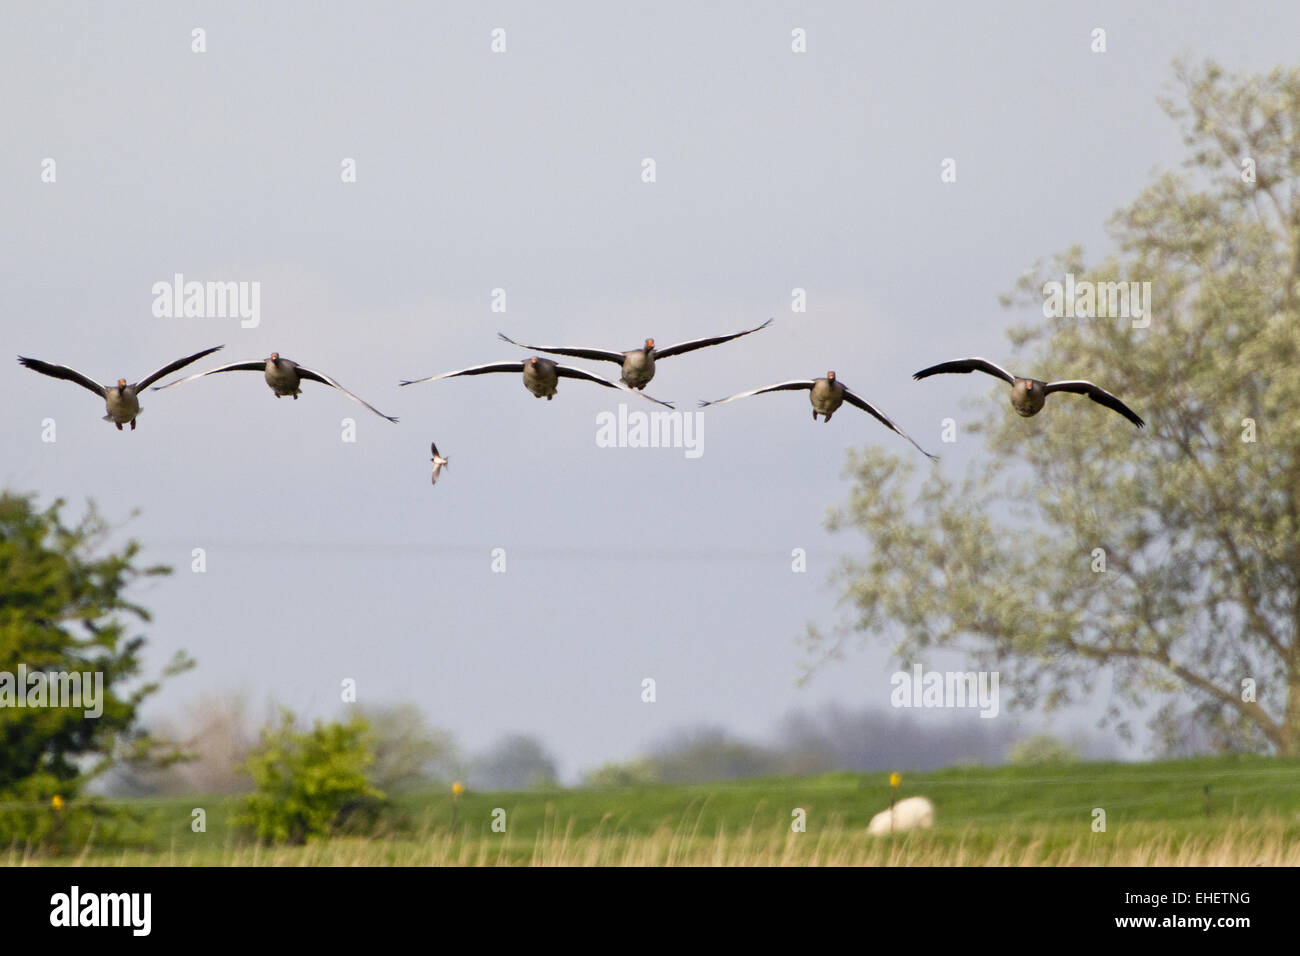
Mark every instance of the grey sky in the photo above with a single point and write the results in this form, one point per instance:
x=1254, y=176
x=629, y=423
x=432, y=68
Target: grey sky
x=521, y=170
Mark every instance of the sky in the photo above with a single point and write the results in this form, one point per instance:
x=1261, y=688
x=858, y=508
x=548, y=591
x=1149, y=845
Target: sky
x=523, y=171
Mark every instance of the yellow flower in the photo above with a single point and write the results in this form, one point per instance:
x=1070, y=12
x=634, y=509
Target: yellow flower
x=895, y=780
x=56, y=802
x=457, y=788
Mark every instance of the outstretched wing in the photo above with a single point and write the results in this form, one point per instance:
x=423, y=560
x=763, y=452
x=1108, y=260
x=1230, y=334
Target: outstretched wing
x=693, y=344
x=798, y=384
x=568, y=371
x=257, y=365
x=1098, y=395
x=326, y=380
x=968, y=365
x=472, y=370
x=598, y=355
x=63, y=372
x=860, y=402
x=173, y=366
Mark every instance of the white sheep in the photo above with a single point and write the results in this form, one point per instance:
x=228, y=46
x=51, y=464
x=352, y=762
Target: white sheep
x=910, y=814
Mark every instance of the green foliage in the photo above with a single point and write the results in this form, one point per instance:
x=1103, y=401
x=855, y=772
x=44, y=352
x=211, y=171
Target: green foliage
x=1041, y=749
x=310, y=783
x=632, y=774
x=408, y=752
x=1198, y=526
x=515, y=762
x=63, y=609
x=1243, y=786
x=984, y=807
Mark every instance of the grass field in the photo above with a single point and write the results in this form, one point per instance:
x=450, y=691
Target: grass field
x=1156, y=814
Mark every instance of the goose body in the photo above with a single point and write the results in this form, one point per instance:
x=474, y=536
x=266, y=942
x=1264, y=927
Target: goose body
x=122, y=404
x=638, y=365
x=826, y=395
x=541, y=376
x=121, y=401
x=1028, y=395
x=284, y=376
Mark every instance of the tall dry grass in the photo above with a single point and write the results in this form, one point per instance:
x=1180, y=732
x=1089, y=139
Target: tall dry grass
x=1263, y=842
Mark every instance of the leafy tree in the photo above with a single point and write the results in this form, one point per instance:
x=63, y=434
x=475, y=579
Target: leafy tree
x=309, y=783
x=408, y=752
x=63, y=608
x=217, y=733
x=633, y=774
x=515, y=762
x=1195, y=519
x=1041, y=749
x=840, y=738
x=710, y=753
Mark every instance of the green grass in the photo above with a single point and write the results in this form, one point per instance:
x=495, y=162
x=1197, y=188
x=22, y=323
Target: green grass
x=1154, y=812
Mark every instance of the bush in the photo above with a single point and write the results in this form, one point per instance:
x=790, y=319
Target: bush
x=310, y=783
x=635, y=774
x=65, y=609
x=1040, y=749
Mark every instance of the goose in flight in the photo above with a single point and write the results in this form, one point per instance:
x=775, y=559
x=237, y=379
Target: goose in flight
x=122, y=401
x=540, y=376
x=439, y=462
x=1029, y=394
x=826, y=395
x=638, y=364
x=283, y=375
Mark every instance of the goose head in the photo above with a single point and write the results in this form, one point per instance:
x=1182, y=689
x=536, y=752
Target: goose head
x=649, y=345
x=275, y=357
x=830, y=376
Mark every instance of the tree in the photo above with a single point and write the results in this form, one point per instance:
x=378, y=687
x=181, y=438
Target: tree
x=1041, y=749
x=1170, y=556
x=709, y=753
x=309, y=783
x=515, y=762
x=63, y=609
x=217, y=734
x=408, y=752
x=635, y=773
x=840, y=738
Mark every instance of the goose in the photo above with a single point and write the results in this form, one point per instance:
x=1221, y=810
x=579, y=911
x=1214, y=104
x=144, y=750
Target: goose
x=283, y=375
x=439, y=462
x=541, y=376
x=122, y=401
x=1029, y=394
x=638, y=364
x=826, y=395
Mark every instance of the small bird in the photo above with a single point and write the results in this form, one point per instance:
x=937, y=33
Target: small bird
x=826, y=395
x=541, y=376
x=122, y=401
x=638, y=364
x=1029, y=394
x=439, y=463
x=283, y=375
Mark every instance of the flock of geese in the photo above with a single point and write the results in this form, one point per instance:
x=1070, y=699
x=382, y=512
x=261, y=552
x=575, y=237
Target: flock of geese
x=541, y=377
